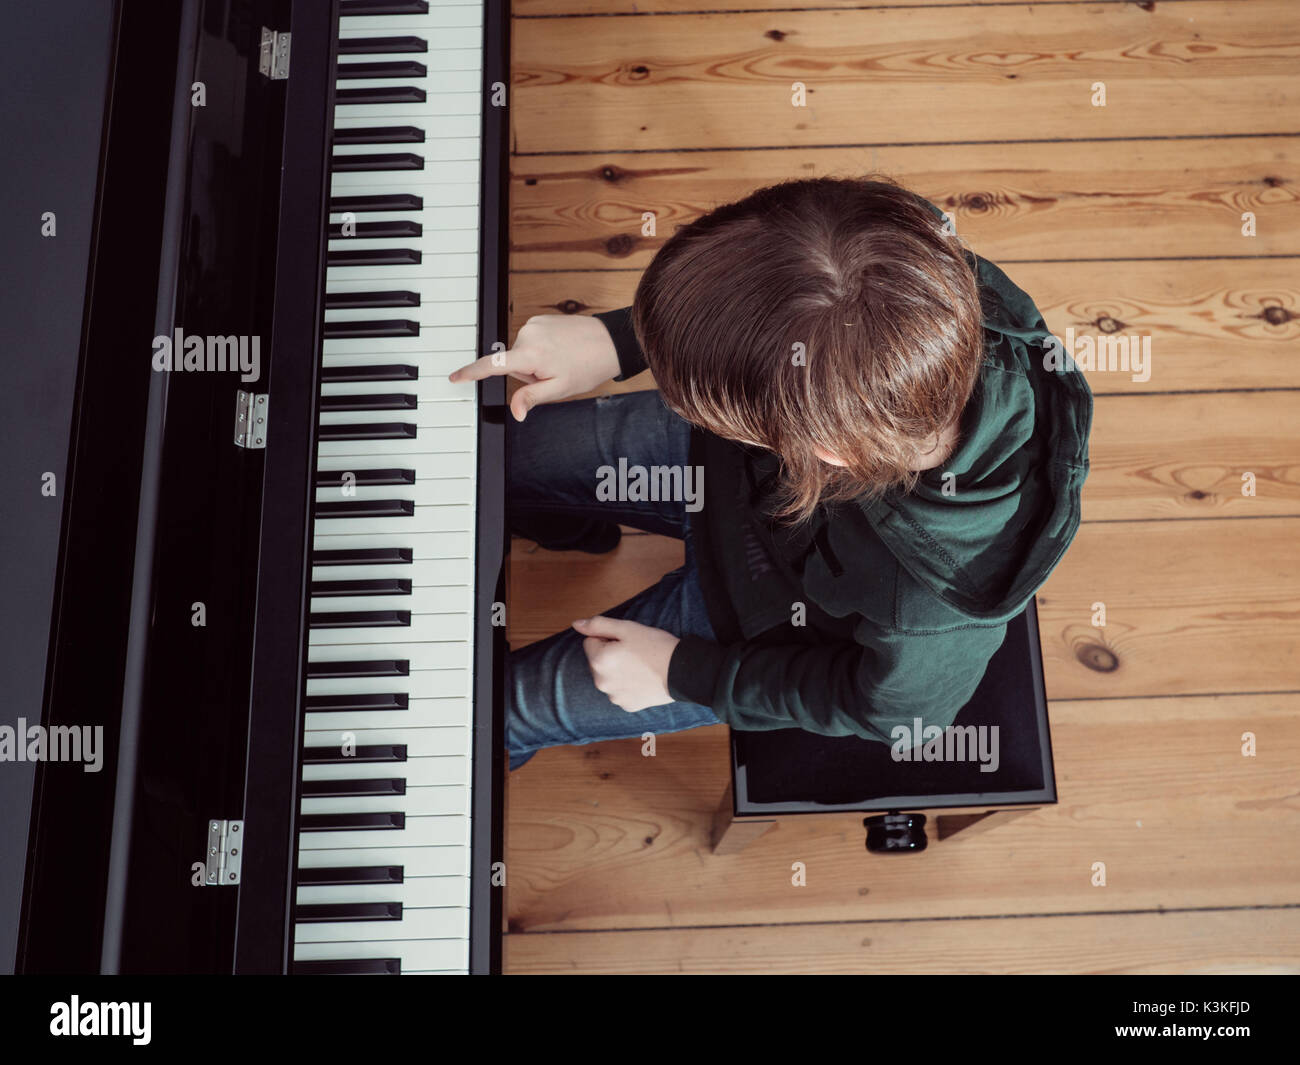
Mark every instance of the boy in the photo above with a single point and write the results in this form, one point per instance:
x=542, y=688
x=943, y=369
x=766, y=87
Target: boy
x=889, y=473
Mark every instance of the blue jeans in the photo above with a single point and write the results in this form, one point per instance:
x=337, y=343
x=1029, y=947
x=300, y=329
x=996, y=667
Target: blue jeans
x=554, y=458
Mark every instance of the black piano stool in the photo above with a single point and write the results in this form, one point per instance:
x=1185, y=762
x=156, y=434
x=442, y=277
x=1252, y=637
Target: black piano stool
x=789, y=772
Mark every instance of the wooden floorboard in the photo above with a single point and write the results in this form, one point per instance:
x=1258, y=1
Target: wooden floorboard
x=997, y=72
x=1118, y=220
x=1262, y=940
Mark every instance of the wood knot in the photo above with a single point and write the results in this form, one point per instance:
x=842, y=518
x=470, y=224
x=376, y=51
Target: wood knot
x=1276, y=315
x=605, y=775
x=1196, y=493
x=1107, y=324
x=620, y=245
x=1096, y=657
x=1273, y=182
x=776, y=35
x=639, y=72
x=611, y=173
x=570, y=306
x=530, y=181
x=649, y=840
x=976, y=201
x=1146, y=5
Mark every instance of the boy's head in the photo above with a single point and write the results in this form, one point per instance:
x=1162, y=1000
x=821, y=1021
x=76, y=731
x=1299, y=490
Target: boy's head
x=831, y=321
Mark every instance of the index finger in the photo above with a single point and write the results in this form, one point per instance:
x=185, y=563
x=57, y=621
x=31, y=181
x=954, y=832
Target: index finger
x=496, y=365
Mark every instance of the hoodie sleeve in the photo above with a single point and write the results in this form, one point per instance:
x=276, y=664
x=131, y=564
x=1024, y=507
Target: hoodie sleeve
x=864, y=688
x=631, y=360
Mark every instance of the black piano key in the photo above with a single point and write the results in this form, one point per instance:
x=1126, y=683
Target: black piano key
x=351, y=822
x=373, y=257
x=389, y=201
x=358, y=874
x=353, y=164
x=378, y=667
x=368, y=431
x=389, y=372
x=373, y=752
x=393, y=94
x=379, y=135
x=385, y=329
x=381, y=329
x=350, y=788
x=358, y=703
x=374, y=586
x=364, y=508
x=370, y=401
x=393, y=68
x=349, y=967
x=378, y=45
x=398, y=227
x=383, y=7
x=360, y=619
x=320, y=913
x=364, y=300
x=361, y=556
x=364, y=478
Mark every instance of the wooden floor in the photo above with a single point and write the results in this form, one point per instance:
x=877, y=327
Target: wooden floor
x=1123, y=218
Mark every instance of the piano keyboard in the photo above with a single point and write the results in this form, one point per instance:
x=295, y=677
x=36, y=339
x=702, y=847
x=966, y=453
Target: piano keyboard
x=384, y=848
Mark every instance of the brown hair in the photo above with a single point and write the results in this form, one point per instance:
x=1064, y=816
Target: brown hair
x=862, y=274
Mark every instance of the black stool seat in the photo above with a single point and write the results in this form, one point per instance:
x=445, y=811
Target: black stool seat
x=789, y=771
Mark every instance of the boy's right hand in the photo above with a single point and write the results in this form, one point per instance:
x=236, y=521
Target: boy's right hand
x=556, y=356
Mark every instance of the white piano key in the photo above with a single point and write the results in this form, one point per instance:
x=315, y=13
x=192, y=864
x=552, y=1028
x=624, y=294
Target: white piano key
x=446, y=711
x=450, y=830
x=436, y=440
x=422, y=627
x=392, y=277
x=445, y=314
x=425, y=573
x=451, y=741
x=435, y=290
x=435, y=922
x=417, y=956
x=448, y=770
x=446, y=56
x=431, y=800
x=415, y=861
x=441, y=14
x=437, y=517
x=434, y=414
x=456, y=242
x=451, y=490
x=435, y=150
x=436, y=172
x=416, y=892
x=422, y=656
x=464, y=39
x=432, y=339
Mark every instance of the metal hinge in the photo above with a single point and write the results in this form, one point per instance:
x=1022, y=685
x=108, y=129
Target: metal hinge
x=225, y=853
x=251, y=412
x=273, y=58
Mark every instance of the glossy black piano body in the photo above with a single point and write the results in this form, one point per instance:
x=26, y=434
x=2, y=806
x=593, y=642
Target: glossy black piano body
x=179, y=619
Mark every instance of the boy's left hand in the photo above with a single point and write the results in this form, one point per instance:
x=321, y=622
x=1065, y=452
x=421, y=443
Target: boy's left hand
x=628, y=660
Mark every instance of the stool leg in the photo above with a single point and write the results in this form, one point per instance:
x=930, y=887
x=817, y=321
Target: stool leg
x=730, y=834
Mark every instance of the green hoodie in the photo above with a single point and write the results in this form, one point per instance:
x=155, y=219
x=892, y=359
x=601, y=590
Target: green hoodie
x=876, y=613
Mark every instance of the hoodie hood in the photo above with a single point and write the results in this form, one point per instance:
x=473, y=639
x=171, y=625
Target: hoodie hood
x=984, y=530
